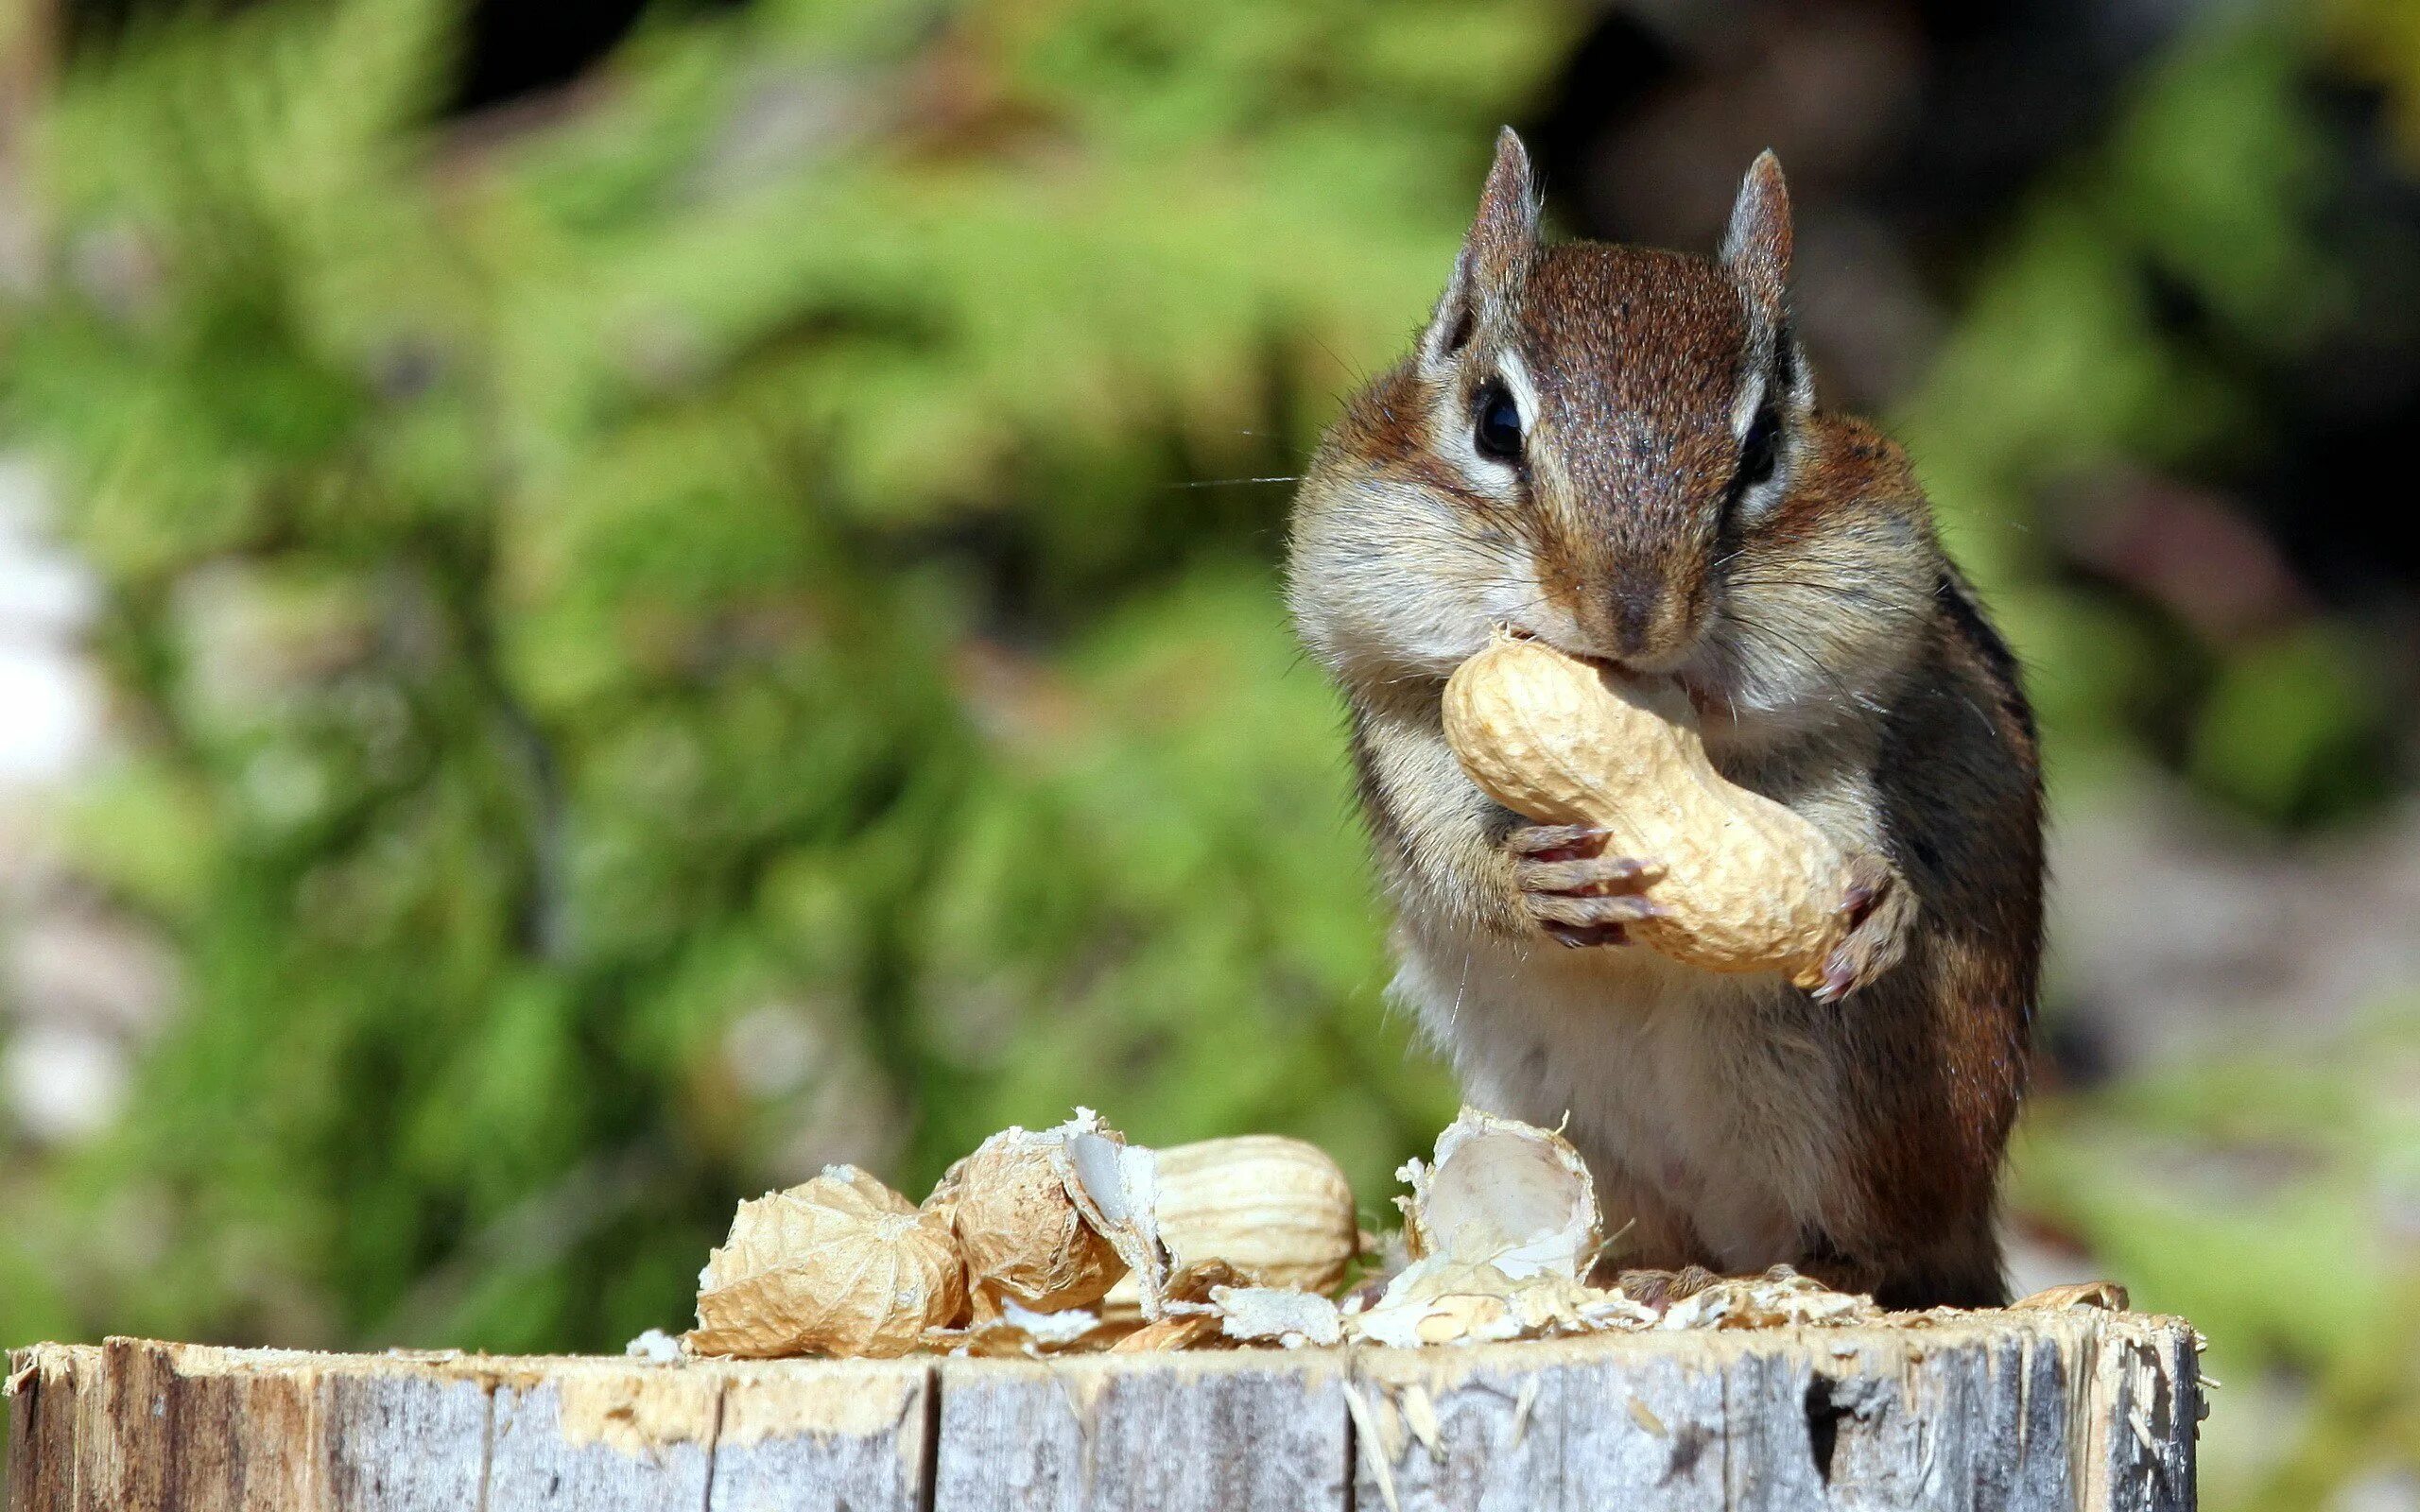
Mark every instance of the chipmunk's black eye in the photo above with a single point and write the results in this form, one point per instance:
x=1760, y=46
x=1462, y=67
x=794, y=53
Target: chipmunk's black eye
x=1497, y=432
x=1760, y=450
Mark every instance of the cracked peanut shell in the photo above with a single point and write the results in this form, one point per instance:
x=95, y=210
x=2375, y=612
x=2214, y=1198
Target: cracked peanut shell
x=1032, y=1230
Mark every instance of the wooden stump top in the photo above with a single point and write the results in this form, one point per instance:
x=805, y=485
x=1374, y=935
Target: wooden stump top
x=2080, y=1409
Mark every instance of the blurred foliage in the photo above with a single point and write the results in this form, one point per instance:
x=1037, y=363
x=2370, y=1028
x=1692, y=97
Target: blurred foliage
x=702, y=628
x=2271, y=1203
x=665, y=648
x=2210, y=192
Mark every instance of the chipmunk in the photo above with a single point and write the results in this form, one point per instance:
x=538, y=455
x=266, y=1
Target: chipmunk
x=1617, y=450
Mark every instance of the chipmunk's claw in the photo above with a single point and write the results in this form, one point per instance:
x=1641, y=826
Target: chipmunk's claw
x=1579, y=938
x=1874, y=916
x=1574, y=891
x=1587, y=876
x=1557, y=842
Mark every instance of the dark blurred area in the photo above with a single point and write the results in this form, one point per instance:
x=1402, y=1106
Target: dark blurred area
x=600, y=606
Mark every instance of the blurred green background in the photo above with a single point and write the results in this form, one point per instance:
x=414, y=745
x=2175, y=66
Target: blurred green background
x=596, y=613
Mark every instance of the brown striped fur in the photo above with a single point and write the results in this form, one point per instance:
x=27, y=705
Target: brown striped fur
x=1840, y=665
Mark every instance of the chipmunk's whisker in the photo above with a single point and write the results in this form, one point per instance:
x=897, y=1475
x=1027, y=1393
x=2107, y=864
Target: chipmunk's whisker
x=1814, y=663
x=1855, y=595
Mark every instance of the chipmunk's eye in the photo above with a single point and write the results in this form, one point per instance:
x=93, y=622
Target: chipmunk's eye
x=1760, y=450
x=1497, y=430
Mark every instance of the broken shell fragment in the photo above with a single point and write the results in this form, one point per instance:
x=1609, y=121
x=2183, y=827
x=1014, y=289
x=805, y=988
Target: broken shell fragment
x=1442, y=1300
x=1191, y=1318
x=1277, y=1314
x=1174, y=1332
x=1780, y=1297
x=1503, y=1230
x=1278, y=1209
x=1116, y=1186
x=1019, y=1332
x=2105, y=1294
x=840, y=1265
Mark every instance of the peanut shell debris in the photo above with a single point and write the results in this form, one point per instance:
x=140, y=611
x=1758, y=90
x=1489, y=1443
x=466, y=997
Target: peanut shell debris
x=1234, y=1243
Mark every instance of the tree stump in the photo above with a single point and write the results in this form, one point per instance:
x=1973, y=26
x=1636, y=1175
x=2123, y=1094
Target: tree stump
x=2082, y=1409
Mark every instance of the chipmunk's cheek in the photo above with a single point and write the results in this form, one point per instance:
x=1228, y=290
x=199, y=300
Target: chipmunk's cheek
x=1702, y=678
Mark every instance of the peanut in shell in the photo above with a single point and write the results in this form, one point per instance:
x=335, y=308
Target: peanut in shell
x=839, y=1265
x=1748, y=886
x=1279, y=1210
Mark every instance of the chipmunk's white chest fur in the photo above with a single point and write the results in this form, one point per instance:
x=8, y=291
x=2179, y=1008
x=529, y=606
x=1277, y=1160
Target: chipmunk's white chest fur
x=1689, y=1093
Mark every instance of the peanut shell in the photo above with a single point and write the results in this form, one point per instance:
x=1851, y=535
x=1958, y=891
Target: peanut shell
x=1278, y=1209
x=1748, y=885
x=1502, y=1193
x=840, y=1265
x=1024, y=1235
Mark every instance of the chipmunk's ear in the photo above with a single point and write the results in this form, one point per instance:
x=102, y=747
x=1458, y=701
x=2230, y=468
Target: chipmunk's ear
x=1756, y=248
x=1495, y=255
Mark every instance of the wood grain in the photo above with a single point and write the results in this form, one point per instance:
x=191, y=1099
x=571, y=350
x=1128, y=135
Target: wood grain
x=1254, y=1432
x=2077, y=1411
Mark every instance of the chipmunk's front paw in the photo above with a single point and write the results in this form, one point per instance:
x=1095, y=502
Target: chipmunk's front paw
x=1574, y=891
x=1878, y=911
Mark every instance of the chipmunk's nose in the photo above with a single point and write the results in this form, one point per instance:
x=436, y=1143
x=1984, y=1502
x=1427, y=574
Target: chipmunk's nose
x=1644, y=621
x=1634, y=624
